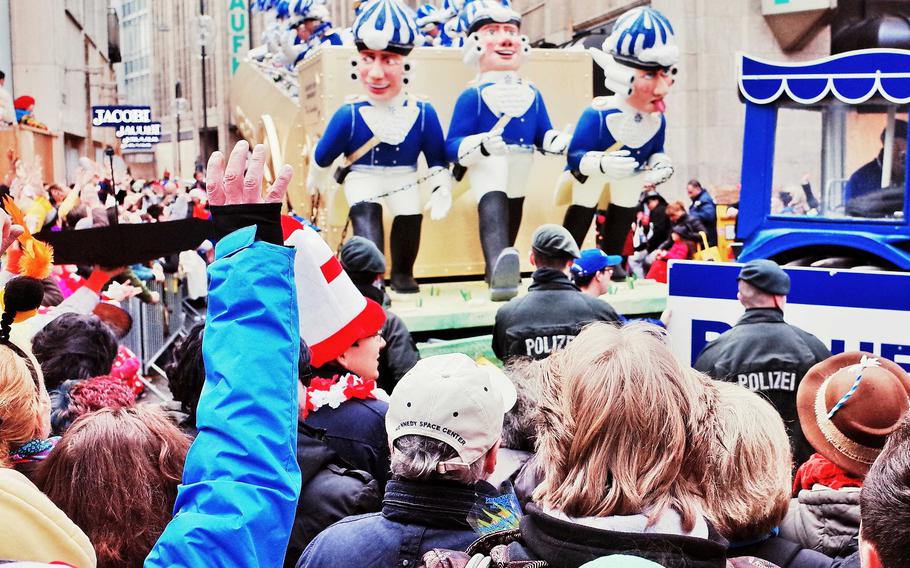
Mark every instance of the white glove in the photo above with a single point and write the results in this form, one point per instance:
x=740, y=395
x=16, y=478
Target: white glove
x=661, y=169
x=318, y=179
x=615, y=165
x=556, y=142
x=440, y=180
x=475, y=147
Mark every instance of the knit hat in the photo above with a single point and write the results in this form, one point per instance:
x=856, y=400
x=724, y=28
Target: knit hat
x=452, y=399
x=360, y=254
x=386, y=25
x=32, y=528
x=849, y=404
x=333, y=313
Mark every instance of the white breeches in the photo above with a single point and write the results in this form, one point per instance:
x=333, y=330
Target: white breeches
x=508, y=173
x=624, y=192
x=372, y=186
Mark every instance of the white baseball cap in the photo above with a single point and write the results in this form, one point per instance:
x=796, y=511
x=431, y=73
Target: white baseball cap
x=452, y=399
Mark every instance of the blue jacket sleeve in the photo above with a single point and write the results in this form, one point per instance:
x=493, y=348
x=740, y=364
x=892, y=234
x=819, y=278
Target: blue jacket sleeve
x=587, y=137
x=464, y=121
x=704, y=209
x=337, y=133
x=433, y=142
x=241, y=480
x=543, y=120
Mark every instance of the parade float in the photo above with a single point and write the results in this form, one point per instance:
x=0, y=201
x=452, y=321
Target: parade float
x=450, y=256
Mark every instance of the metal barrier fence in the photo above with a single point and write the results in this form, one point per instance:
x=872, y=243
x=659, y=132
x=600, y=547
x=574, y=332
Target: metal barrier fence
x=156, y=327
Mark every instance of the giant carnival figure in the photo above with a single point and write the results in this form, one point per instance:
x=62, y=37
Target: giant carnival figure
x=497, y=124
x=619, y=140
x=381, y=136
x=312, y=30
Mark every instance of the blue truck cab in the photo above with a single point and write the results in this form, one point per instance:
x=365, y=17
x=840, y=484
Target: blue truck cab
x=848, y=207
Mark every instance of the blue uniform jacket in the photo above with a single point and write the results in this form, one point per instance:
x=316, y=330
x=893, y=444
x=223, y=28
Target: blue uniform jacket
x=592, y=135
x=473, y=116
x=241, y=480
x=347, y=131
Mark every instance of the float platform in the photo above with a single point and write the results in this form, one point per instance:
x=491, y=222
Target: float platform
x=458, y=316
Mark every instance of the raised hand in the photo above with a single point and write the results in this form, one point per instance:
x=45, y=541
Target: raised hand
x=240, y=182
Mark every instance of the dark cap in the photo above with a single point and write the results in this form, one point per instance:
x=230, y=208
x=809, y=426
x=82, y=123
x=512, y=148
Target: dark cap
x=554, y=240
x=360, y=254
x=767, y=276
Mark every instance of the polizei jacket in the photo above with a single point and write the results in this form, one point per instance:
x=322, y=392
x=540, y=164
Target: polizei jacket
x=765, y=354
x=547, y=318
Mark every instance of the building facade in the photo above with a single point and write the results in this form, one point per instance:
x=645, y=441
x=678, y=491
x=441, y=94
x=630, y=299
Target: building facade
x=62, y=58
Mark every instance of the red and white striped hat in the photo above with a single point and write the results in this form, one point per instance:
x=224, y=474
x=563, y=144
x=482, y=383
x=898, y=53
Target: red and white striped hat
x=333, y=313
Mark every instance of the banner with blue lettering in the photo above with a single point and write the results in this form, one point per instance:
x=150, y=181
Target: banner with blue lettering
x=849, y=310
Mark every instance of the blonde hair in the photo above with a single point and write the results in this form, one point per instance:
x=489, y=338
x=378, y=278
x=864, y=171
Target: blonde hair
x=751, y=463
x=624, y=428
x=24, y=405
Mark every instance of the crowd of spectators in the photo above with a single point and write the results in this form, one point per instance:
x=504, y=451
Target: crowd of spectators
x=300, y=437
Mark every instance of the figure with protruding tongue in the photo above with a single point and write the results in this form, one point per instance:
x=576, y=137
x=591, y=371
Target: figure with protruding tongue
x=618, y=144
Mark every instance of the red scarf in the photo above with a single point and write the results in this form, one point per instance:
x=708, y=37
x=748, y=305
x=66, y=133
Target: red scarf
x=332, y=392
x=821, y=470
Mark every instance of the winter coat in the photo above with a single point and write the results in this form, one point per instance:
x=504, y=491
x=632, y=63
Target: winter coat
x=690, y=226
x=563, y=544
x=783, y=553
x=547, y=318
x=703, y=209
x=765, y=354
x=241, y=480
x=824, y=520
x=416, y=517
x=330, y=491
x=356, y=432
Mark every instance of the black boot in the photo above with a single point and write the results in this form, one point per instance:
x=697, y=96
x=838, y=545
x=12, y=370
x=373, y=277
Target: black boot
x=614, y=231
x=366, y=220
x=405, y=242
x=516, y=206
x=503, y=269
x=577, y=221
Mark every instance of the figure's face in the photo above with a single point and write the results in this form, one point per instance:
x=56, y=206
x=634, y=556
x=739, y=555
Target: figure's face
x=501, y=48
x=362, y=358
x=311, y=25
x=649, y=89
x=303, y=32
x=381, y=73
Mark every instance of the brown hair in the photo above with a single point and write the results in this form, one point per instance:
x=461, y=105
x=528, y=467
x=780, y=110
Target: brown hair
x=885, y=500
x=115, y=474
x=624, y=428
x=675, y=208
x=24, y=403
x=751, y=466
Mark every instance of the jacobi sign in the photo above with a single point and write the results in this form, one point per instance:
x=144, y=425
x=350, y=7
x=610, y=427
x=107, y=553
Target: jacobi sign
x=120, y=115
x=848, y=310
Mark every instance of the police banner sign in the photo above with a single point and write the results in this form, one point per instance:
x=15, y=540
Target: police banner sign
x=848, y=310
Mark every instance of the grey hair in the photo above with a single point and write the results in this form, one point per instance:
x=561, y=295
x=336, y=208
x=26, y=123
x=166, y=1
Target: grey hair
x=519, y=426
x=752, y=297
x=415, y=457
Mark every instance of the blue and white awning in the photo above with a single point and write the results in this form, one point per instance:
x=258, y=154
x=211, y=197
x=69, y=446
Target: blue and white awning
x=851, y=77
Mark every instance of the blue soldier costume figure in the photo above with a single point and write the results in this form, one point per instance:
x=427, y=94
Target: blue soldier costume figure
x=428, y=21
x=619, y=140
x=381, y=136
x=497, y=124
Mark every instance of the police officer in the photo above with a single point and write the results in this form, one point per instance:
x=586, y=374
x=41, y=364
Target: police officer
x=363, y=262
x=764, y=353
x=554, y=310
